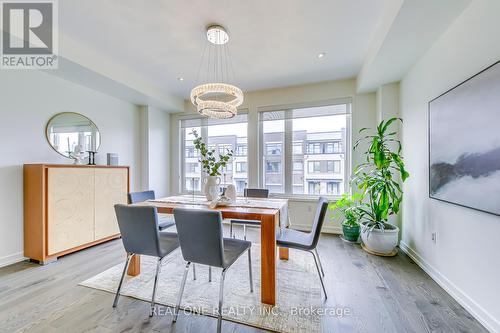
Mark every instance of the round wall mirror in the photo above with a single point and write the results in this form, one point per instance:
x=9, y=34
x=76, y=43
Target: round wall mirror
x=72, y=134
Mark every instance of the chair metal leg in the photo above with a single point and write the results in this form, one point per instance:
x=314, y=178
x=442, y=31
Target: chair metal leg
x=183, y=283
x=158, y=265
x=244, y=232
x=209, y=273
x=221, y=297
x=127, y=261
x=194, y=272
x=319, y=274
x=250, y=269
x=319, y=261
x=230, y=229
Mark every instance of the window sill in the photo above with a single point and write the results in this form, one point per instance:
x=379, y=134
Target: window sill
x=293, y=198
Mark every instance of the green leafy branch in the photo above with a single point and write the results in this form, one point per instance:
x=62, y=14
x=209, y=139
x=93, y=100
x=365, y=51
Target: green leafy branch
x=210, y=162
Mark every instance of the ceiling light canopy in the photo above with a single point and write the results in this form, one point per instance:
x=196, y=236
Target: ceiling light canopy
x=217, y=98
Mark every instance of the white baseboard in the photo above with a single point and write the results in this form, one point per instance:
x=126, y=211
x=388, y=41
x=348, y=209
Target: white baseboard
x=483, y=316
x=11, y=259
x=326, y=228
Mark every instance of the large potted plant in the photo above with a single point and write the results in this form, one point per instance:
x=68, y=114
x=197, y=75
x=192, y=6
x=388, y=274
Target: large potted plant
x=377, y=179
x=348, y=210
x=211, y=164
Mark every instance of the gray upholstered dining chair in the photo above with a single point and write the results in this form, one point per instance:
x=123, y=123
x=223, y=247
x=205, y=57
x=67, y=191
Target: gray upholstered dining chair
x=307, y=241
x=164, y=220
x=140, y=235
x=202, y=242
x=249, y=193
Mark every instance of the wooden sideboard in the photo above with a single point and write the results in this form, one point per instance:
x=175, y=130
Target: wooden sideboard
x=70, y=207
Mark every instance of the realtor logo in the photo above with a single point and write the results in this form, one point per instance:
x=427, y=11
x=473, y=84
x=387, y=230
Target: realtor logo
x=29, y=36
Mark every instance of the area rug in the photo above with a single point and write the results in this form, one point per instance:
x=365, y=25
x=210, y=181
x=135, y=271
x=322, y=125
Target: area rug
x=298, y=290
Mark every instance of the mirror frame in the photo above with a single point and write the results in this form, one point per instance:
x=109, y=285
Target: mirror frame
x=69, y=112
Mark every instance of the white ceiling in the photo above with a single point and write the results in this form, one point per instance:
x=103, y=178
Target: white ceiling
x=273, y=43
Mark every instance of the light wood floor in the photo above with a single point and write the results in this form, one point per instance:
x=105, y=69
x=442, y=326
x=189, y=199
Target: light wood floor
x=382, y=295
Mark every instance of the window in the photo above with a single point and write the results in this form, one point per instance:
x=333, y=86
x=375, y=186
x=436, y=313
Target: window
x=314, y=148
x=298, y=166
x=290, y=138
x=241, y=167
x=241, y=150
x=314, y=187
x=219, y=135
x=273, y=167
x=192, y=167
x=190, y=150
x=240, y=186
x=297, y=148
x=332, y=188
x=224, y=149
x=337, y=147
x=192, y=183
x=314, y=167
x=273, y=148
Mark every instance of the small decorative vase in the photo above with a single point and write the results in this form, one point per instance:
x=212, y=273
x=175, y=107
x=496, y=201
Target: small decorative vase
x=211, y=188
x=231, y=192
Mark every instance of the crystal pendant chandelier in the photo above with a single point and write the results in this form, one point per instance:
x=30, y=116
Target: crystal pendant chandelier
x=216, y=99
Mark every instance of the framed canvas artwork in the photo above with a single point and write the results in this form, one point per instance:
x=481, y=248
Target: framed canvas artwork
x=464, y=143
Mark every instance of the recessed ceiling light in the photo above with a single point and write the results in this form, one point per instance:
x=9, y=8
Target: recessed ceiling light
x=180, y=78
x=321, y=55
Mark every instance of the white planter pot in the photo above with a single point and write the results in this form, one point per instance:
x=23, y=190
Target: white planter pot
x=211, y=187
x=379, y=241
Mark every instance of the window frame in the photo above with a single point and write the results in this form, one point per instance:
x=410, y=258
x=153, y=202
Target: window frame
x=204, y=134
x=288, y=147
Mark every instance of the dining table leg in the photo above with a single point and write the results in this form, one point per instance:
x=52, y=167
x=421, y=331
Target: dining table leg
x=134, y=267
x=268, y=258
x=284, y=254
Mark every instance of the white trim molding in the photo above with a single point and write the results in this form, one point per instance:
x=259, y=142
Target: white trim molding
x=327, y=229
x=483, y=316
x=12, y=259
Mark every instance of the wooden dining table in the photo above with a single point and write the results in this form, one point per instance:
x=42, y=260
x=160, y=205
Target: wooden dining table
x=269, y=218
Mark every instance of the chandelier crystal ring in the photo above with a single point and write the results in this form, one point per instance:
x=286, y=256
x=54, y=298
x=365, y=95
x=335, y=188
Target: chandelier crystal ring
x=217, y=99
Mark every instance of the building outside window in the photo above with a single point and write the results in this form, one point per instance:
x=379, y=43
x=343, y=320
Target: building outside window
x=273, y=167
x=273, y=148
x=240, y=186
x=241, y=167
x=314, y=167
x=221, y=136
x=314, y=187
x=224, y=149
x=311, y=140
x=192, y=167
x=332, y=188
x=241, y=150
x=297, y=148
x=314, y=148
x=191, y=152
x=337, y=147
x=298, y=166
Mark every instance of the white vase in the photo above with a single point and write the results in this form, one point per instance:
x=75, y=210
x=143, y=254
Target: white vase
x=211, y=187
x=379, y=241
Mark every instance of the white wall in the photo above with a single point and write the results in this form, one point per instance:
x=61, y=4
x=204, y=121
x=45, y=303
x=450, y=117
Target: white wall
x=363, y=115
x=155, y=152
x=28, y=99
x=465, y=258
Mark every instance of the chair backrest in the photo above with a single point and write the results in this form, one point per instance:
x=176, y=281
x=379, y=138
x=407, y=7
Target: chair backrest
x=136, y=197
x=319, y=217
x=256, y=192
x=200, y=236
x=139, y=229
